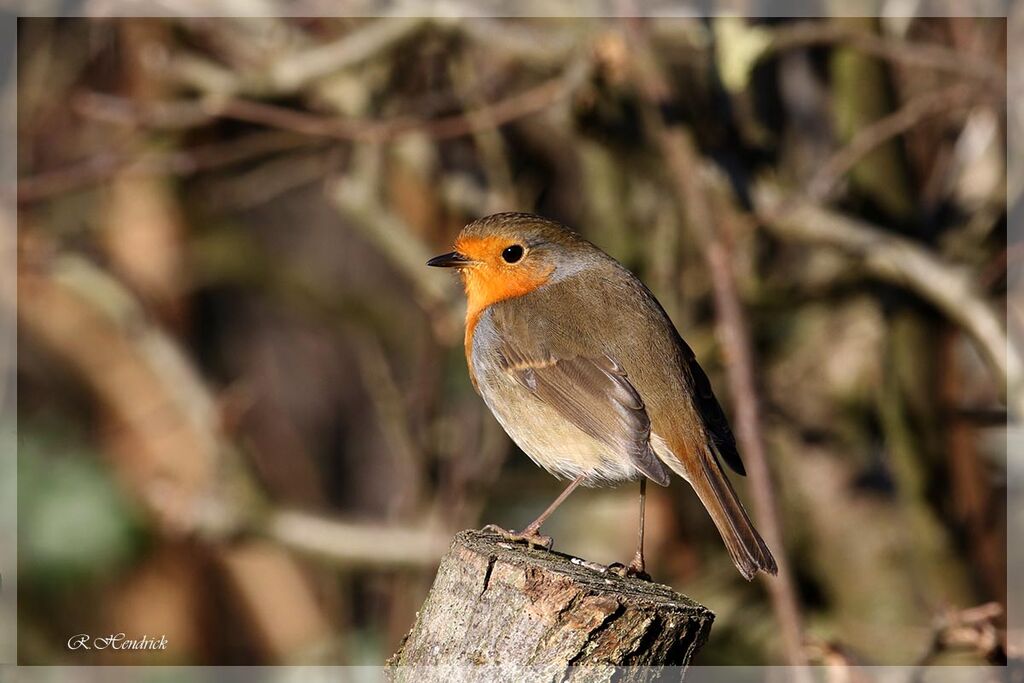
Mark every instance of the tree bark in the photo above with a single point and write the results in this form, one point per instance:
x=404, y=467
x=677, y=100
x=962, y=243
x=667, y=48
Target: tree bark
x=532, y=614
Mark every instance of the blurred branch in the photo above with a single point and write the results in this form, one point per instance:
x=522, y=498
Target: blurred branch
x=907, y=264
x=407, y=477
x=187, y=113
x=303, y=68
x=970, y=482
x=526, y=43
x=95, y=327
x=962, y=96
x=486, y=136
x=694, y=205
x=812, y=33
x=202, y=74
x=270, y=179
x=495, y=114
x=104, y=166
x=844, y=666
x=193, y=112
x=357, y=197
x=298, y=70
x=163, y=114
x=972, y=629
x=354, y=544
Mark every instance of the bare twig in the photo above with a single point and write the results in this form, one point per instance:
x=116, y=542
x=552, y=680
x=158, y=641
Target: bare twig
x=290, y=122
x=356, y=197
x=488, y=139
x=959, y=97
x=972, y=629
x=735, y=339
x=408, y=478
x=905, y=263
x=193, y=112
x=536, y=43
x=270, y=179
x=694, y=204
x=530, y=101
x=102, y=167
x=160, y=114
x=843, y=665
x=811, y=33
x=355, y=544
x=296, y=71
x=306, y=67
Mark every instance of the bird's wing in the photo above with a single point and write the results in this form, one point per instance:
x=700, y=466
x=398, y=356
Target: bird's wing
x=715, y=423
x=595, y=395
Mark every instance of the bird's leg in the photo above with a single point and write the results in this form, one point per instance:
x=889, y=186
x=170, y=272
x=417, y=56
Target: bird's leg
x=531, y=534
x=637, y=566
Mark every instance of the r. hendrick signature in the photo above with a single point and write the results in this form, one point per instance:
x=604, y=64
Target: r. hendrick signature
x=116, y=641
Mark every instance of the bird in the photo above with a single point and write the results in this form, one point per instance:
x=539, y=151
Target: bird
x=582, y=367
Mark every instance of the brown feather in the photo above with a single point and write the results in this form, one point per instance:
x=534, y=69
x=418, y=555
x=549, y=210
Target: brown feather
x=746, y=547
x=596, y=396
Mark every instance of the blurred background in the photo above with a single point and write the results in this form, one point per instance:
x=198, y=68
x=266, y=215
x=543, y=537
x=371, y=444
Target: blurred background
x=245, y=421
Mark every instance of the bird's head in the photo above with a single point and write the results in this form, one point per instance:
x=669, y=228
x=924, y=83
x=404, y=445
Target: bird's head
x=506, y=255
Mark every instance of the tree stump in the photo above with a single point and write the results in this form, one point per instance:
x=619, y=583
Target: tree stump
x=532, y=614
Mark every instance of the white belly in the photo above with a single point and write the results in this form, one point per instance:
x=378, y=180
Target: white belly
x=549, y=439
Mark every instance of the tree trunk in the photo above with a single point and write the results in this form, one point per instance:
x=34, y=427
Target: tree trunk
x=535, y=613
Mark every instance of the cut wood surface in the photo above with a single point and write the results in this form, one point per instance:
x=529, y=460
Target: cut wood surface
x=532, y=612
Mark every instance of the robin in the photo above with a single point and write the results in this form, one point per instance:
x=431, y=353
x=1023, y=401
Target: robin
x=582, y=367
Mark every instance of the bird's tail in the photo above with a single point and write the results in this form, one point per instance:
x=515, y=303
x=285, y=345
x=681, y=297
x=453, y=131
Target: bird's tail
x=746, y=547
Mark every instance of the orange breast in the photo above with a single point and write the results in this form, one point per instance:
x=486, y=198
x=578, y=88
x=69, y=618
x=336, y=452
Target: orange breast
x=487, y=284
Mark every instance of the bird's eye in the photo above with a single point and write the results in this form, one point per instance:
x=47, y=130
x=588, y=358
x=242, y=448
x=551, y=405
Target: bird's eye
x=512, y=254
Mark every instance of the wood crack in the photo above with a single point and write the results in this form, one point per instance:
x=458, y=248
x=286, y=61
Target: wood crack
x=591, y=643
x=487, y=573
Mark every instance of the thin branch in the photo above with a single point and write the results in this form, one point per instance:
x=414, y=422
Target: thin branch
x=734, y=336
x=304, y=68
x=695, y=206
x=189, y=113
x=356, y=197
x=192, y=112
x=488, y=139
x=407, y=474
x=900, y=261
x=124, y=111
x=530, y=101
x=101, y=167
x=971, y=630
x=354, y=544
x=959, y=97
x=812, y=33
x=539, y=44
x=298, y=70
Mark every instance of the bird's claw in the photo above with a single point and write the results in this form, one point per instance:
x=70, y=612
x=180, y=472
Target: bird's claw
x=634, y=569
x=530, y=537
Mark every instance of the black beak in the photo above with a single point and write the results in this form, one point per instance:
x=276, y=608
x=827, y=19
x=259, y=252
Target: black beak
x=452, y=259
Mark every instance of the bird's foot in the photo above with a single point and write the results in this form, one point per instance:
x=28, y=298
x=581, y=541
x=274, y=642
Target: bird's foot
x=531, y=537
x=634, y=569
